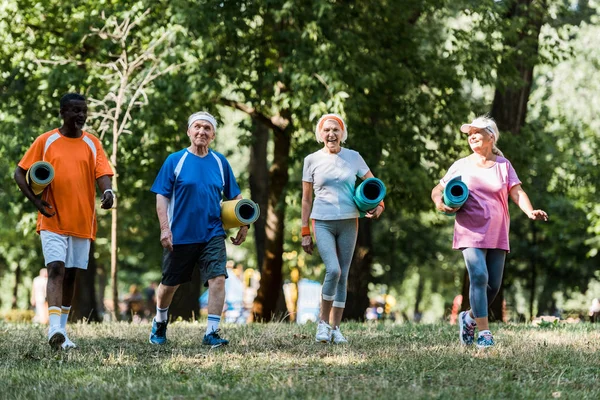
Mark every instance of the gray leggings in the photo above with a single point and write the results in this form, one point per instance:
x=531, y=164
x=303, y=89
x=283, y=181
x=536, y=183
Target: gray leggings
x=485, y=267
x=336, y=241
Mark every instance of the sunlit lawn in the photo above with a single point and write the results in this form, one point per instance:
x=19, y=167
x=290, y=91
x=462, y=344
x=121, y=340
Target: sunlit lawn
x=282, y=361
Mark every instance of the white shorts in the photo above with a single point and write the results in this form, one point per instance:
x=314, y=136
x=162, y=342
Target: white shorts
x=73, y=251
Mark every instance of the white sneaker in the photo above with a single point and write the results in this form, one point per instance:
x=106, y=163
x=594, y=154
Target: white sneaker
x=337, y=336
x=323, y=332
x=68, y=344
x=56, y=337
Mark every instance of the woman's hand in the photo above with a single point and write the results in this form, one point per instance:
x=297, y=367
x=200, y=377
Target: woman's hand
x=376, y=212
x=538, y=215
x=307, y=244
x=442, y=207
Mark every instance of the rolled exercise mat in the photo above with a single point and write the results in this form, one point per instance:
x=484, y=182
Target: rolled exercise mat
x=240, y=212
x=368, y=194
x=455, y=193
x=39, y=176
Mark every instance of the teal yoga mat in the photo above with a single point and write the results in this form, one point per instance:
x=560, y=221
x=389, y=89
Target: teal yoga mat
x=368, y=194
x=455, y=193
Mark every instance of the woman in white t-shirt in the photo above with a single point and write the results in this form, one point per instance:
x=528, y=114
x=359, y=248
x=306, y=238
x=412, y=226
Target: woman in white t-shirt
x=331, y=173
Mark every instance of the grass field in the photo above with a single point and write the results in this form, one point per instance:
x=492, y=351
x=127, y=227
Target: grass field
x=282, y=361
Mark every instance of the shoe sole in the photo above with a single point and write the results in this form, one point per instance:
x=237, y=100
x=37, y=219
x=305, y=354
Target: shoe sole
x=56, y=341
x=158, y=344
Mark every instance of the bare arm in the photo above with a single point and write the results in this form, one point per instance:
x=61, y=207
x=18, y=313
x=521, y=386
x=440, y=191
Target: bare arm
x=108, y=198
x=518, y=195
x=241, y=235
x=166, y=237
x=438, y=199
x=376, y=212
x=43, y=207
x=307, y=198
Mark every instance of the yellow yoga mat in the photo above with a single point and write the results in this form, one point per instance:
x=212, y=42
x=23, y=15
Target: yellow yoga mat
x=39, y=176
x=240, y=212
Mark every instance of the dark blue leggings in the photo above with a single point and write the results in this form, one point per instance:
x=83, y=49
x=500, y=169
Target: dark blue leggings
x=485, y=267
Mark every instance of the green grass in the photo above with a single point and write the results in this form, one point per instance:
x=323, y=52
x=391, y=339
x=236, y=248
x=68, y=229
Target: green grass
x=281, y=361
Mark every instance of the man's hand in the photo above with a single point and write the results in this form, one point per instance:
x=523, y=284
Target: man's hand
x=107, y=200
x=241, y=236
x=42, y=205
x=166, y=239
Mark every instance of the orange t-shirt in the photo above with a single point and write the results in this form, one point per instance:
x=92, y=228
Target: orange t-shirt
x=77, y=163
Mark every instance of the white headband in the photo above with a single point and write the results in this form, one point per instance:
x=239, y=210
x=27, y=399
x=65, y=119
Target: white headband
x=202, y=116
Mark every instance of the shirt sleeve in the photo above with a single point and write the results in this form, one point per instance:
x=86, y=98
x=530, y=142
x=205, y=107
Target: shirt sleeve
x=361, y=166
x=163, y=184
x=307, y=173
x=452, y=172
x=103, y=167
x=231, y=189
x=34, y=154
x=513, y=180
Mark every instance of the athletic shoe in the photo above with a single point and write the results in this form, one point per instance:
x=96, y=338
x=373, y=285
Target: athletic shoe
x=484, y=341
x=214, y=340
x=337, y=336
x=68, y=344
x=323, y=332
x=467, y=331
x=56, y=337
x=159, y=332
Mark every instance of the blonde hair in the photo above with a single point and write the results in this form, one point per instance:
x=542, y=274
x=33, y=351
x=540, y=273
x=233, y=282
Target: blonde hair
x=336, y=118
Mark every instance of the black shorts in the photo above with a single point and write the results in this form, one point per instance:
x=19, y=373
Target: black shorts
x=178, y=265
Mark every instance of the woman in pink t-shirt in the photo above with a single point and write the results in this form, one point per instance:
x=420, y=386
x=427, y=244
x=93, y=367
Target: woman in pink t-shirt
x=482, y=223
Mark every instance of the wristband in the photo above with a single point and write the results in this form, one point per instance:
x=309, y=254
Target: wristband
x=305, y=231
x=382, y=204
x=111, y=192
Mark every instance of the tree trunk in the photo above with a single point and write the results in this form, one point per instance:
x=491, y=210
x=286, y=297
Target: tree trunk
x=359, y=275
x=259, y=185
x=186, y=301
x=84, y=297
x=16, y=287
x=266, y=304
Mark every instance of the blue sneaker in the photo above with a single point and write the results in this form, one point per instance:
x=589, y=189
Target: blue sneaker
x=485, y=340
x=159, y=332
x=467, y=331
x=214, y=340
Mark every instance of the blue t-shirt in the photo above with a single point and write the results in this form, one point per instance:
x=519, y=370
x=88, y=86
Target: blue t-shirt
x=195, y=187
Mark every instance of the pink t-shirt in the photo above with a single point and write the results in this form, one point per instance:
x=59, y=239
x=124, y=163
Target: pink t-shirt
x=483, y=221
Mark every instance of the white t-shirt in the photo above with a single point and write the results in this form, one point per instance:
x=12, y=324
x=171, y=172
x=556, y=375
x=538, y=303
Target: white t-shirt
x=333, y=177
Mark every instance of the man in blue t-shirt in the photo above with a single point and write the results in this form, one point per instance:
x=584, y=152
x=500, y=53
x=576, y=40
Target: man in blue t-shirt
x=189, y=189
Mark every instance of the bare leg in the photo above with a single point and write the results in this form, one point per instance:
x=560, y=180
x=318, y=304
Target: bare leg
x=68, y=286
x=54, y=289
x=164, y=295
x=216, y=295
x=325, y=310
x=336, y=316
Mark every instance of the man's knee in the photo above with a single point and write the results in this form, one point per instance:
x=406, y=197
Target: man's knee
x=217, y=282
x=56, y=270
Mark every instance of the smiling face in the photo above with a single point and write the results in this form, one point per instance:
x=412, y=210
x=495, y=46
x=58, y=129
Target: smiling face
x=201, y=133
x=480, y=139
x=74, y=114
x=331, y=134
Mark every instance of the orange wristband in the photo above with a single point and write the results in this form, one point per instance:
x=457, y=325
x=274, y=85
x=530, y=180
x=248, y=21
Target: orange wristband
x=382, y=204
x=305, y=231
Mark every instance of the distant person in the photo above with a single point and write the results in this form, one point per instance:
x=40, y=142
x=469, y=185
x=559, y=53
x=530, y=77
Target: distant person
x=189, y=189
x=150, y=299
x=38, y=297
x=482, y=223
x=331, y=174
x=595, y=310
x=67, y=207
x=134, y=302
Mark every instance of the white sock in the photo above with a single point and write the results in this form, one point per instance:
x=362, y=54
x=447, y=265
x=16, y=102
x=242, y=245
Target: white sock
x=468, y=318
x=485, y=332
x=54, y=315
x=213, y=323
x=162, y=314
x=64, y=316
